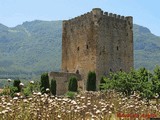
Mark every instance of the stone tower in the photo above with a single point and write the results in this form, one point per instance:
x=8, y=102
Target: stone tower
x=97, y=41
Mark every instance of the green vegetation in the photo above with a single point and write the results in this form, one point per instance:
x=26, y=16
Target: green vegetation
x=53, y=87
x=18, y=88
x=30, y=49
x=102, y=81
x=33, y=48
x=147, y=84
x=91, y=81
x=16, y=84
x=30, y=87
x=146, y=48
x=70, y=94
x=122, y=94
x=44, y=83
x=73, y=84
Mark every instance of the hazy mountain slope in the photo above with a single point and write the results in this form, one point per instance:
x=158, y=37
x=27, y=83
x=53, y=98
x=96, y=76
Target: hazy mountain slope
x=32, y=47
x=146, y=48
x=35, y=47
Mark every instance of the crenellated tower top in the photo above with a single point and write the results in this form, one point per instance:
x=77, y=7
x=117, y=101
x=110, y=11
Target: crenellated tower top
x=98, y=12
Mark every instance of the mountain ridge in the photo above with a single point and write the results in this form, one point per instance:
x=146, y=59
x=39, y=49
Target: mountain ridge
x=35, y=47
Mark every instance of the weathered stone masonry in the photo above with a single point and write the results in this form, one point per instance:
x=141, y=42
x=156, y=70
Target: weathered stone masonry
x=97, y=41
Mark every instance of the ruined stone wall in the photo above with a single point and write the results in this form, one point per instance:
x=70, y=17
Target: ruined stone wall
x=114, y=43
x=79, y=46
x=62, y=80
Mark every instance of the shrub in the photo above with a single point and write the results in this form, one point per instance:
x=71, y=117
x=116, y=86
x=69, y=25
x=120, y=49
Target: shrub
x=141, y=81
x=70, y=94
x=16, y=84
x=44, y=82
x=27, y=91
x=102, y=81
x=91, y=81
x=53, y=87
x=73, y=85
x=13, y=91
x=35, y=86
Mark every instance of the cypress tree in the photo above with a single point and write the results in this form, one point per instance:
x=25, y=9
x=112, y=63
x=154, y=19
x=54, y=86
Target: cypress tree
x=53, y=87
x=73, y=84
x=91, y=81
x=44, y=82
x=16, y=84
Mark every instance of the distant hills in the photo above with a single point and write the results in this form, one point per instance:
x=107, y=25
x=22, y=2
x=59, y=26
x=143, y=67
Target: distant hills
x=146, y=48
x=35, y=47
x=30, y=49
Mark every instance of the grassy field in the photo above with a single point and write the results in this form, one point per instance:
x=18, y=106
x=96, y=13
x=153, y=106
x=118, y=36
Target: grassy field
x=85, y=106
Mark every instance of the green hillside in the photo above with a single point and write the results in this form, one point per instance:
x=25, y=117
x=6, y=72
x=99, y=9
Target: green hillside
x=30, y=48
x=35, y=47
x=146, y=48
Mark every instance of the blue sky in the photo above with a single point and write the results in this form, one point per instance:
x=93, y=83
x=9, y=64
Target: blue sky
x=14, y=12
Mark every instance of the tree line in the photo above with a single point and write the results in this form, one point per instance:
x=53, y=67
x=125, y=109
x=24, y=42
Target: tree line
x=146, y=83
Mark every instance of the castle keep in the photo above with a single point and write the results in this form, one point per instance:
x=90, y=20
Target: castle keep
x=97, y=41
